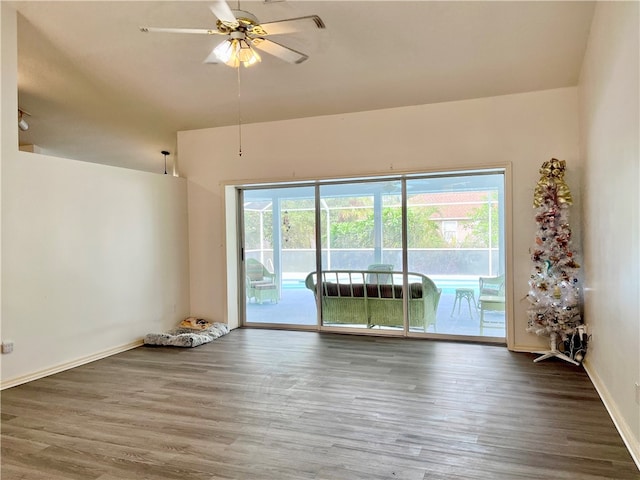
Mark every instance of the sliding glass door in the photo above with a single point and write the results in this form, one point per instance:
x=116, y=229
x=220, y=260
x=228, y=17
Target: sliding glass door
x=410, y=254
x=455, y=235
x=361, y=248
x=279, y=252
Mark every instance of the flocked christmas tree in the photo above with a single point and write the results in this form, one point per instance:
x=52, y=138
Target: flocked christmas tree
x=554, y=294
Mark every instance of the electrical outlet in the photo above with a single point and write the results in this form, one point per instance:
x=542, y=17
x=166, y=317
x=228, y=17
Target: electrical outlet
x=7, y=346
x=638, y=393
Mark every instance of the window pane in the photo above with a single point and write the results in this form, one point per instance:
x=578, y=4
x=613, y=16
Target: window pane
x=362, y=232
x=279, y=246
x=455, y=237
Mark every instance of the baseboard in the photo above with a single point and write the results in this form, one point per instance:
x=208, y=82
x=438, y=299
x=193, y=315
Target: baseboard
x=632, y=443
x=68, y=365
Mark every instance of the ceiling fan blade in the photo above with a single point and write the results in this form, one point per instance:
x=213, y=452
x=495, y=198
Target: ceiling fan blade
x=202, y=31
x=284, y=53
x=290, y=25
x=222, y=11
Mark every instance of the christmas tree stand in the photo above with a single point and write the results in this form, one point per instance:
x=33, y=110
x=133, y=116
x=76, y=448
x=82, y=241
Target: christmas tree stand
x=554, y=352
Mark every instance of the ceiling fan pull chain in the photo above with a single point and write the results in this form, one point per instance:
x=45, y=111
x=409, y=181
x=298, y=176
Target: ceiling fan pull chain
x=239, y=117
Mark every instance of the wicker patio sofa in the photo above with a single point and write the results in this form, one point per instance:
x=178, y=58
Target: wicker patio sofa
x=373, y=298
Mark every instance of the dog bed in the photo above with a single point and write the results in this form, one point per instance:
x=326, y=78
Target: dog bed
x=191, y=332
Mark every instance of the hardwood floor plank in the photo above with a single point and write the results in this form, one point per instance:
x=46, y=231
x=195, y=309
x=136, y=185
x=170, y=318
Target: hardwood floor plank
x=26, y=472
x=265, y=404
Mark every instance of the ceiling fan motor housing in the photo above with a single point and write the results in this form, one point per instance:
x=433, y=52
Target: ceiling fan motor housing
x=245, y=22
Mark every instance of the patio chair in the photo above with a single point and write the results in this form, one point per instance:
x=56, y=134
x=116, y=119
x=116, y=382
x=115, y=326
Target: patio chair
x=379, y=278
x=261, y=283
x=491, y=299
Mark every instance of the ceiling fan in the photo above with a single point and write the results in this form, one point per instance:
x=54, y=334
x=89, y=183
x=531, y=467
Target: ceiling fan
x=244, y=32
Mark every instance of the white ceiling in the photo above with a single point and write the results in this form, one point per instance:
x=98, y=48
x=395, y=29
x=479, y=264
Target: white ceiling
x=100, y=90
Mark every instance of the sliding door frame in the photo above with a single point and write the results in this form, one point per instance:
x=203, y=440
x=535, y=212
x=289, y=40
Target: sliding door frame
x=506, y=213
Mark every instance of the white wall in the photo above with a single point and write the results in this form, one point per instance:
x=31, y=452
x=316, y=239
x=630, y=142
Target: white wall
x=610, y=129
x=525, y=129
x=8, y=58
x=94, y=257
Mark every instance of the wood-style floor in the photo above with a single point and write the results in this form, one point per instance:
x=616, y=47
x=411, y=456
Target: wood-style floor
x=282, y=405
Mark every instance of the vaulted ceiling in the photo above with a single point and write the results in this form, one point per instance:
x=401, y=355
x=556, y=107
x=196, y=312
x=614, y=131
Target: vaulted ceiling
x=99, y=90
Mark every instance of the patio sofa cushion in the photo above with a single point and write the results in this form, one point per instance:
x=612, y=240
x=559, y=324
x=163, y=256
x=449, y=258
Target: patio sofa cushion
x=373, y=290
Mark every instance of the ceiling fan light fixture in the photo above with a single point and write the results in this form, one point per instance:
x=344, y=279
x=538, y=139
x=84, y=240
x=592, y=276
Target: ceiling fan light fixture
x=236, y=50
x=224, y=50
x=247, y=54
